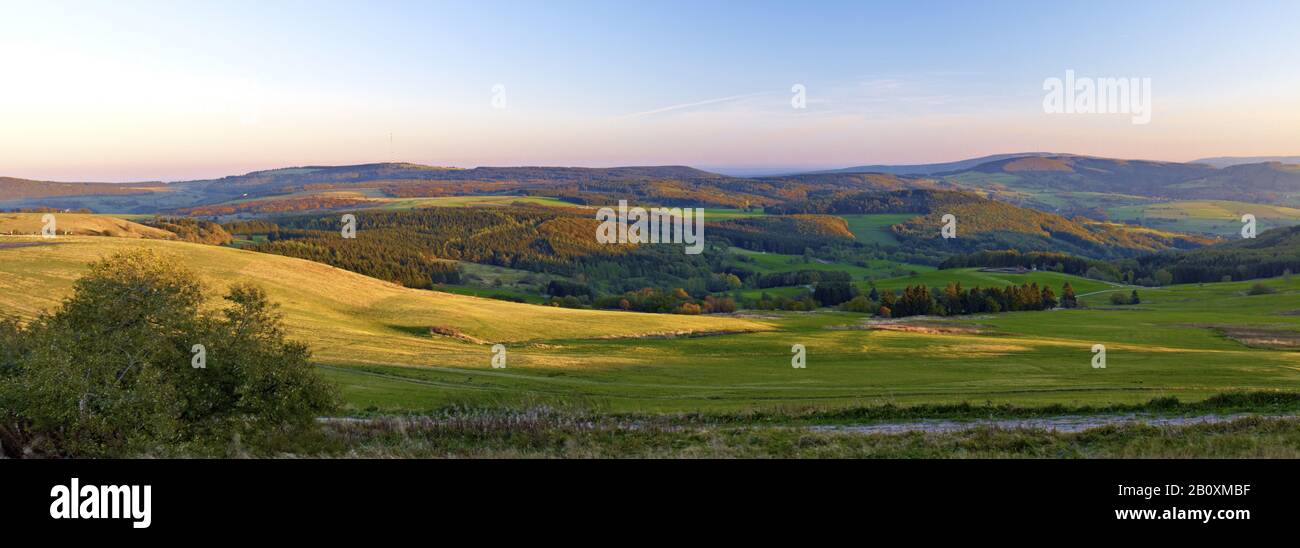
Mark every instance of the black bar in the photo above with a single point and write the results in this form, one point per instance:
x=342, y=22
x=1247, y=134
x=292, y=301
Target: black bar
x=231, y=496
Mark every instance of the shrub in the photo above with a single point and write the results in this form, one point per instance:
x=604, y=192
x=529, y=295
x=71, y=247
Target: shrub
x=860, y=304
x=1260, y=289
x=444, y=330
x=109, y=373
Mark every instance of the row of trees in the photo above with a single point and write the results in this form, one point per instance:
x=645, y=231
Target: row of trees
x=915, y=300
x=1055, y=262
x=801, y=277
x=652, y=300
x=952, y=300
x=191, y=230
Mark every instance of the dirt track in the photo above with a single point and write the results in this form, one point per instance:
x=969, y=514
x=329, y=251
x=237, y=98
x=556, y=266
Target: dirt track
x=1072, y=423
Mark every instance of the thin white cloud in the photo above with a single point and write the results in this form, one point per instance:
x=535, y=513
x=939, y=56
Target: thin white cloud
x=693, y=105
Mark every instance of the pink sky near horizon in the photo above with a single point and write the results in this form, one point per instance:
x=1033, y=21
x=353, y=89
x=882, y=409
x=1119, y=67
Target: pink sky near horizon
x=154, y=91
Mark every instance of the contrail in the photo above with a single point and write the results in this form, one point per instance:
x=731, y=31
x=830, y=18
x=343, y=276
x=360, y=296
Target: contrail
x=690, y=105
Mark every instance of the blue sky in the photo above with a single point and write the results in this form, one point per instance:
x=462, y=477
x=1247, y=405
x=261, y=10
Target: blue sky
x=166, y=90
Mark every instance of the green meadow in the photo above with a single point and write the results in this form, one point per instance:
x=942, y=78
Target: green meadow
x=974, y=277
x=768, y=263
x=968, y=278
x=726, y=214
x=1173, y=344
x=470, y=201
x=373, y=339
x=1218, y=217
x=874, y=228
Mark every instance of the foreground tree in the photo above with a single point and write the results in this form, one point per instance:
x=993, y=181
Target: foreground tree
x=115, y=370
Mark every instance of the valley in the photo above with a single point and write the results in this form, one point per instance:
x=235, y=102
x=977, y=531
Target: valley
x=447, y=263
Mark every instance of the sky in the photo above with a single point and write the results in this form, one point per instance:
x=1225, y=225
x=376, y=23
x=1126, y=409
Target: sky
x=175, y=90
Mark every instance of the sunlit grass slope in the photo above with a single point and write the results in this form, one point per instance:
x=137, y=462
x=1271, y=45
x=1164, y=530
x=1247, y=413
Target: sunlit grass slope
x=345, y=317
x=83, y=224
x=1220, y=217
x=373, y=339
x=1170, y=345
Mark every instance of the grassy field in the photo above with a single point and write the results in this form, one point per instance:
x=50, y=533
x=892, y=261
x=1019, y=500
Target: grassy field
x=1219, y=217
x=345, y=317
x=768, y=263
x=371, y=338
x=1171, y=345
x=875, y=228
x=726, y=214
x=470, y=201
x=374, y=198
x=83, y=224
x=974, y=277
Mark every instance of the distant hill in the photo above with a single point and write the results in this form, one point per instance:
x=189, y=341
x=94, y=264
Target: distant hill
x=984, y=224
x=1058, y=183
x=1078, y=173
x=12, y=188
x=1270, y=183
x=928, y=169
x=662, y=184
x=1228, y=161
x=1071, y=185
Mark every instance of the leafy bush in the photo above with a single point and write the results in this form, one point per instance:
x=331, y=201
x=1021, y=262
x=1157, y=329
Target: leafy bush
x=1120, y=298
x=860, y=304
x=110, y=372
x=1260, y=289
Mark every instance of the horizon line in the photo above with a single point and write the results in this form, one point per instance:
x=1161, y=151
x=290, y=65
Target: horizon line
x=754, y=170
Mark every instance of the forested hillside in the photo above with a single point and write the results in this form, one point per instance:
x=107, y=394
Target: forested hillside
x=984, y=224
x=1272, y=253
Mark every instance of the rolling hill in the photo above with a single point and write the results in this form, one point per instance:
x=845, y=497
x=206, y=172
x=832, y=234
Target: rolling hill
x=1272, y=253
x=1217, y=217
x=79, y=224
x=1059, y=183
x=12, y=188
x=928, y=169
x=1081, y=173
x=1079, y=184
x=374, y=340
x=347, y=318
x=988, y=224
x=1072, y=184
x=1228, y=161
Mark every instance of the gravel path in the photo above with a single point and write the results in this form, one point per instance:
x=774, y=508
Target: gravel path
x=1069, y=423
